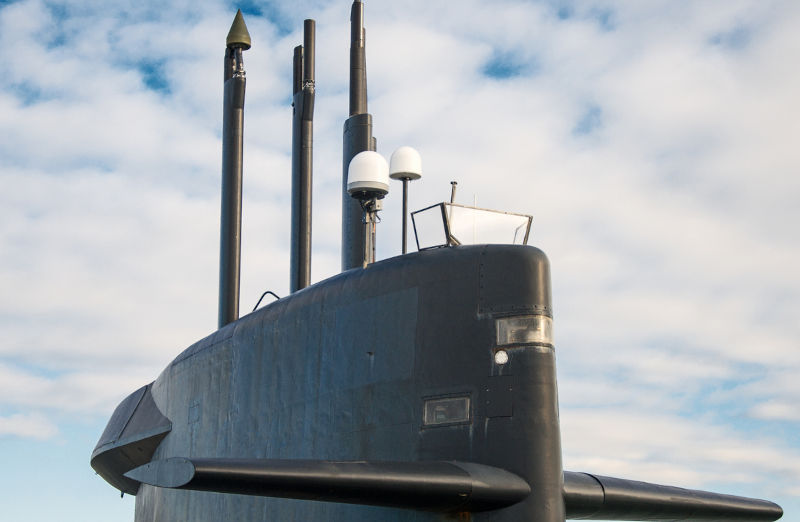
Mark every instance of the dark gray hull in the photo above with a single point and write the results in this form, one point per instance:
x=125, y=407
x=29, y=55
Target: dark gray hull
x=311, y=396
x=339, y=371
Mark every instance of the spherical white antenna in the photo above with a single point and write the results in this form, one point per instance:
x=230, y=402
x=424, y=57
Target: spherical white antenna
x=406, y=163
x=406, y=166
x=368, y=176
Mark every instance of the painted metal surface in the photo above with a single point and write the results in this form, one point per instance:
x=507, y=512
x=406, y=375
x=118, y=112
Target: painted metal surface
x=302, y=156
x=357, y=137
x=429, y=486
x=131, y=437
x=232, y=151
x=594, y=497
x=341, y=370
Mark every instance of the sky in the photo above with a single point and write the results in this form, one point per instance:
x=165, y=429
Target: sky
x=654, y=143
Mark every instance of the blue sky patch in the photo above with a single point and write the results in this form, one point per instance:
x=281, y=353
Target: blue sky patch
x=249, y=8
x=735, y=39
x=34, y=369
x=153, y=76
x=502, y=66
x=58, y=11
x=268, y=11
x=564, y=12
x=606, y=18
x=591, y=119
x=28, y=94
x=56, y=36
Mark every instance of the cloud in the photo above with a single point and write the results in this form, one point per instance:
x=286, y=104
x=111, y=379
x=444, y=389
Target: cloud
x=663, y=448
x=77, y=392
x=32, y=425
x=776, y=410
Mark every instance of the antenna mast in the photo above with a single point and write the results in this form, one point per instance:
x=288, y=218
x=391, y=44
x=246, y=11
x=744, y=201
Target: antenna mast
x=302, y=156
x=357, y=138
x=230, y=255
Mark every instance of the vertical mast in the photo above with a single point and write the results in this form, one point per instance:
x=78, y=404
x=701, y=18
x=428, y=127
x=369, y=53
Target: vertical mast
x=358, y=60
x=237, y=41
x=302, y=155
x=357, y=138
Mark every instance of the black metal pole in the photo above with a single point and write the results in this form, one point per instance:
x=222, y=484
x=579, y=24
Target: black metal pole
x=405, y=214
x=232, y=151
x=453, y=185
x=357, y=138
x=368, y=222
x=302, y=159
x=309, y=44
x=358, y=60
x=297, y=66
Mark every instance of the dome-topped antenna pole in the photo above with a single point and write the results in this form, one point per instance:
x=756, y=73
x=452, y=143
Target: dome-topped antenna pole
x=405, y=165
x=230, y=255
x=368, y=183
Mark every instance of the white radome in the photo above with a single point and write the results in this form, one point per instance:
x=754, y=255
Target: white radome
x=368, y=175
x=406, y=163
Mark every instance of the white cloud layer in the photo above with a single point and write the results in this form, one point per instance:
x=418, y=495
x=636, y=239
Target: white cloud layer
x=32, y=425
x=654, y=143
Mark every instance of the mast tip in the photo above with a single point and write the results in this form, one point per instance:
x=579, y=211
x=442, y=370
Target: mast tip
x=238, y=36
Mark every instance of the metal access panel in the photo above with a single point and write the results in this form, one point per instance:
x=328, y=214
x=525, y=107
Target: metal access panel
x=500, y=396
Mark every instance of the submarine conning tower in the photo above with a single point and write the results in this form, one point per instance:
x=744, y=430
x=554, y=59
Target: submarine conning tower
x=439, y=356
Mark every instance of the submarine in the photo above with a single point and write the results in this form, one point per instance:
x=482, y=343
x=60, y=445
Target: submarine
x=416, y=388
